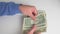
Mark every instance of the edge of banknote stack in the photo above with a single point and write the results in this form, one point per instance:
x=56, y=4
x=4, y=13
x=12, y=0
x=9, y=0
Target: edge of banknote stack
x=40, y=22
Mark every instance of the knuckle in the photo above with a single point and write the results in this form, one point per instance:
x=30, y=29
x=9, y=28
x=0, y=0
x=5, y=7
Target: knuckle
x=33, y=6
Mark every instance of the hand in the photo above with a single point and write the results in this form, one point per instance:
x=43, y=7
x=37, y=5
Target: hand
x=29, y=11
x=33, y=30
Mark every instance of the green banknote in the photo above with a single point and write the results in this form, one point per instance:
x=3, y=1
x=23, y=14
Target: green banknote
x=40, y=22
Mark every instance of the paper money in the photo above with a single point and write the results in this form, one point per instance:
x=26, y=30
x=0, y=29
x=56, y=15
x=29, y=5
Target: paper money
x=40, y=22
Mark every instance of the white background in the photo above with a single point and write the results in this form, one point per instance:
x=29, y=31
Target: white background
x=52, y=8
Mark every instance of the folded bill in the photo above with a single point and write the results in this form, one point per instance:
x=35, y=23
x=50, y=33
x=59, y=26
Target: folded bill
x=40, y=22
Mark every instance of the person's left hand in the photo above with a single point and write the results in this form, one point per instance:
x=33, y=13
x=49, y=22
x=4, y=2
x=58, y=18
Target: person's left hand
x=33, y=29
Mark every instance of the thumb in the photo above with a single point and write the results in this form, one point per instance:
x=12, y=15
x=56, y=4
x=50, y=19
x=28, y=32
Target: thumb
x=32, y=30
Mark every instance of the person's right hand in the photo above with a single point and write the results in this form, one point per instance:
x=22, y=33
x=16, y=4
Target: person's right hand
x=29, y=11
x=33, y=30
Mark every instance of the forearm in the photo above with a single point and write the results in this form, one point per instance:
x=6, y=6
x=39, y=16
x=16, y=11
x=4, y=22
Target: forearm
x=9, y=8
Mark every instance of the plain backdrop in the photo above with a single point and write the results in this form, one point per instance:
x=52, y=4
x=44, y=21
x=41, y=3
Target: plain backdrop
x=52, y=8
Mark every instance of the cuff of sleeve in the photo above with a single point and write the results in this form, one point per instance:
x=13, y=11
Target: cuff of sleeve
x=17, y=10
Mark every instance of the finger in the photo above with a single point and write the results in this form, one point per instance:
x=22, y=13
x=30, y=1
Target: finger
x=35, y=11
x=38, y=32
x=32, y=16
x=33, y=29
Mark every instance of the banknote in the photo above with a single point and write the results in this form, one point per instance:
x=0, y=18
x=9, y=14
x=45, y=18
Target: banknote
x=40, y=22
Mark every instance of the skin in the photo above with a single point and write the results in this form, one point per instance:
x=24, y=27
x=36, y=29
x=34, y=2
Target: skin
x=29, y=10
x=32, y=12
x=33, y=29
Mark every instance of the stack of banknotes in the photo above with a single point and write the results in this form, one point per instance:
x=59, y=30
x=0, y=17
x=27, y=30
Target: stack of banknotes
x=40, y=22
